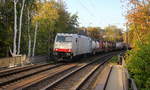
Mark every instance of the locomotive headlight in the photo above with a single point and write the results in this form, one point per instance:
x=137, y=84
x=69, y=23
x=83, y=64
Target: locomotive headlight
x=69, y=50
x=55, y=49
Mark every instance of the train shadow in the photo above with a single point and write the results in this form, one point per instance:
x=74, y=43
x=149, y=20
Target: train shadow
x=88, y=58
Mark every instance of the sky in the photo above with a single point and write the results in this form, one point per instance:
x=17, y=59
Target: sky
x=99, y=13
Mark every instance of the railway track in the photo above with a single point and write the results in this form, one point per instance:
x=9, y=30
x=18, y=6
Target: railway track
x=37, y=77
x=88, y=80
x=10, y=71
x=75, y=80
x=54, y=77
x=107, y=78
x=13, y=75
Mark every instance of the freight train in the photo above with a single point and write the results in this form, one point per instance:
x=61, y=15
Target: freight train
x=73, y=45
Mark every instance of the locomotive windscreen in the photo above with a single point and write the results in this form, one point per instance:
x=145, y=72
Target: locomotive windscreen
x=64, y=39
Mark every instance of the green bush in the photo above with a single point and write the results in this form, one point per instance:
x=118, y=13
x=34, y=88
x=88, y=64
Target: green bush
x=138, y=64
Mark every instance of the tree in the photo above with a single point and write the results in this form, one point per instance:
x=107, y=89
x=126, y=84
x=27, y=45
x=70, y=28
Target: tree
x=35, y=36
x=52, y=18
x=15, y=28
x=46, y=16
x=138, y=60
x=6, y=27
x=18, y=20
x=112, y=33
x=139, y=19
x=94, y=32
x=20, y=25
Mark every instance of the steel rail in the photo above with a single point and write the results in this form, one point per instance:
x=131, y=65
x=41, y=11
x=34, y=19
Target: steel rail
x=81, y=83
x=2, y=83
x=19, y=69
x=69, y=74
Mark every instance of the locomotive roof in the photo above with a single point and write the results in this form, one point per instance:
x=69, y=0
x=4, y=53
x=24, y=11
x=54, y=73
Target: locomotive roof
x=74, y=35
x=66, y=34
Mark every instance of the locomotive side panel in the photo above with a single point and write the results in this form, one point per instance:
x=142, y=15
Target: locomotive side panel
x=84, y=45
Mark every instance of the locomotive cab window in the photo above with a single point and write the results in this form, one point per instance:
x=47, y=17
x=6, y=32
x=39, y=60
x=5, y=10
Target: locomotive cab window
x=64, y=39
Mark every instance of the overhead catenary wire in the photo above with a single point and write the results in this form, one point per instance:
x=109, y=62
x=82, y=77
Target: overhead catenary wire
x=93, y=7
x=89, y=11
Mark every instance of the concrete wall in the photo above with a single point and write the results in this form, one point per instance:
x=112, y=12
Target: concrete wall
x=13, y=61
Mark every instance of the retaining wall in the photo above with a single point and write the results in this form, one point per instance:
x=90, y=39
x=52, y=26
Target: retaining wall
x=13, y=61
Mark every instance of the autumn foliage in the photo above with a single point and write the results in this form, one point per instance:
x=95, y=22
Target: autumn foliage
x=138, y=59
x=109, y=33
x=49, y=16
x=139, y=20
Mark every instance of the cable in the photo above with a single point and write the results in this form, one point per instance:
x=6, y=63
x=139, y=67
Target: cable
x=85, y=8
x=89, y=11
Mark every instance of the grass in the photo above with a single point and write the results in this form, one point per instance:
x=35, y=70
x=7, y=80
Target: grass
x=114, y=60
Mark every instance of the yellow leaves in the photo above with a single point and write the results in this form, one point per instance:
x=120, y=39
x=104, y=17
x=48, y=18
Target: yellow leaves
x=139, y=20
x=140, y=13
x=113, y=33
x=94, y=32
x=47, y=12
